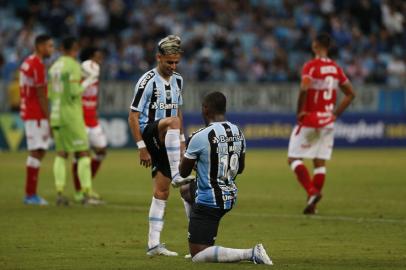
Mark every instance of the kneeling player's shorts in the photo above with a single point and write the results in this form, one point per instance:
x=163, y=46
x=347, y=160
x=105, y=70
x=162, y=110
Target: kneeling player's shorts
x=308, y=142
x=204, y=223
x=70, y=138
x=37, y=134
x=157, y=150
x=97, y=138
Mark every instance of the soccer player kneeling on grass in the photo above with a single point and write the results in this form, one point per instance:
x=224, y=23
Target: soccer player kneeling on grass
x=218, y=151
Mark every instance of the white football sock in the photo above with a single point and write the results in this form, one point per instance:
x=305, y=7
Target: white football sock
x=156, y=221
x=188, y=208
x=222, y=254
x=172, y=144
x=33, y=162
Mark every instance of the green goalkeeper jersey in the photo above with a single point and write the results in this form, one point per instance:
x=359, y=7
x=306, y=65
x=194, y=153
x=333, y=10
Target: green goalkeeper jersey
x=65, y=92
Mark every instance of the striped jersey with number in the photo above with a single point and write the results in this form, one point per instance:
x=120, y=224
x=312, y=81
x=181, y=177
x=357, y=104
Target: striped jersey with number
x=155, y=98
x=217, y=150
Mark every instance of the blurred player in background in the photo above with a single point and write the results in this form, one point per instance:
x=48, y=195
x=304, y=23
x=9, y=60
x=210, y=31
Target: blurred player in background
x=91, y=59
x=34, y=112
x=313, y=136
x=68, y=126
x=156, y=124
x=219, y=152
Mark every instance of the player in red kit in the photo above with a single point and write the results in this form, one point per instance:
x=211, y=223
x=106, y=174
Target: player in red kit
x=34, y=112
x=313, y=136
x=91, y=60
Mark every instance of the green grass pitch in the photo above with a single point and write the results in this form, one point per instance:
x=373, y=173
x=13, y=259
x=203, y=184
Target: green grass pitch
x=361, y=222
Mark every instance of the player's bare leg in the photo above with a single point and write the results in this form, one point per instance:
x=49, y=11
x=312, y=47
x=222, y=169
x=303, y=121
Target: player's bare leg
x=161, y=187
x=33, y=164
x=169, y=133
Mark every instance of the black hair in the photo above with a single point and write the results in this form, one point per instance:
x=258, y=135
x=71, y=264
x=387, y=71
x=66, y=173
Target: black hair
x=216, y=102
x=88, y=53
x=68, y=42
x=41, y=39
x=324, y=40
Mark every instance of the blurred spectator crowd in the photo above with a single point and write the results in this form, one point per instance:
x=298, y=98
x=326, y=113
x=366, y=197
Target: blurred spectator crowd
x=223, y=40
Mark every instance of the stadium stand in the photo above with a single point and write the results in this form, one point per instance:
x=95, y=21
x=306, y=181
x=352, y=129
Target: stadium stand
x=222, y=39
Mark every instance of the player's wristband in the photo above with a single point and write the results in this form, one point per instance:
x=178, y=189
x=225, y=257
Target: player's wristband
x=141, y=144
x=182, y=138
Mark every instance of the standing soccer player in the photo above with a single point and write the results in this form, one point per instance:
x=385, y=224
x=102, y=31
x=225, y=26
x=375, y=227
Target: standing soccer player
x=156, y=124
x=91, y=60
x=313, y=136
x=68, y=126
x=34, y=112
x=219, y=152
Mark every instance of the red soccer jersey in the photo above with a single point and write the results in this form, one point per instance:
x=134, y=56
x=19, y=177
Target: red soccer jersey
x=326, y=76
x=89, y=100
x=32, y=76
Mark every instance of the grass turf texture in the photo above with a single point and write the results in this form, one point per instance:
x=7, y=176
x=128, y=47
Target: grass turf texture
x=361, y=222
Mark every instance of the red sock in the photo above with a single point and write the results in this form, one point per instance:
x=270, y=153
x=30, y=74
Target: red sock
x=95, y=166
x=76, y=181
x=302, y=175
x=31, y=180
x=319, y=177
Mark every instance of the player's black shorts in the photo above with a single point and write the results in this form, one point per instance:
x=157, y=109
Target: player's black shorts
x=157, y=150
x=204, y=223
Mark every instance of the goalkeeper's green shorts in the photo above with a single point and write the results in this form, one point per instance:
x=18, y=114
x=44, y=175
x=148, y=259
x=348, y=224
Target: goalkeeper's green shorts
x=71, y=138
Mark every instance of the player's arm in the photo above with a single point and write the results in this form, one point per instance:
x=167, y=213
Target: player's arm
x=42, y=99
x=193, y=151
x=186, y=166
x=241, y=165
x=133, y=121
x=182, y=134
x=349, y=96
x=304, y=86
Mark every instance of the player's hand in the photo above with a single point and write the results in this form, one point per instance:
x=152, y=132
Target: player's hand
x=145, y=158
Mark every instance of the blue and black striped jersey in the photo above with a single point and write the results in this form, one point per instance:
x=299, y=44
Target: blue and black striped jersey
x=217, y=150
x=155, y=98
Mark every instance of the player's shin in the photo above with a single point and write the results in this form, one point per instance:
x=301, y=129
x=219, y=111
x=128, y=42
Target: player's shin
x=96, y=162
x=156, y=221
x=222, y=254
x=302, y=175
x=319, y=176
x=32, y=168
x=59, y=173
x=85, y=174
x=172, y=144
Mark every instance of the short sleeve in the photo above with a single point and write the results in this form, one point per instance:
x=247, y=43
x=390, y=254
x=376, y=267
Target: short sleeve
x=307, y=71
x=195, y=147
x=342, y=78
x=142, y=91
x=39, y=74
